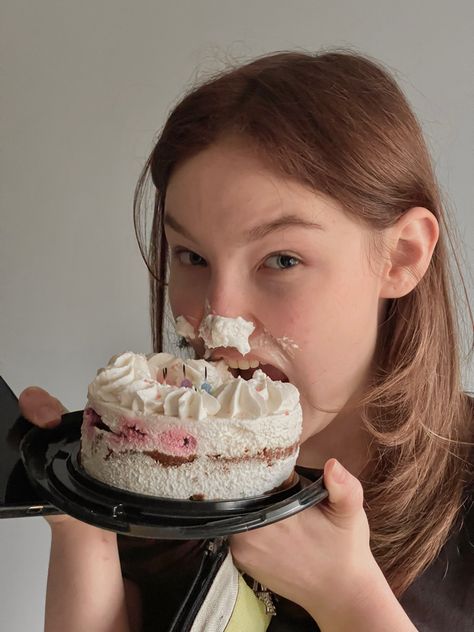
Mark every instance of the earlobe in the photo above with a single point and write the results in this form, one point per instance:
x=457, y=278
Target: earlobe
x=411, y=242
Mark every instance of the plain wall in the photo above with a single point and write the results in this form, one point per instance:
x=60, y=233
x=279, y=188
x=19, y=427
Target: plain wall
x=85, y=86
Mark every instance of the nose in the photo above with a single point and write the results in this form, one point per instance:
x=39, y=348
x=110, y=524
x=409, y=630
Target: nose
x=228, y=296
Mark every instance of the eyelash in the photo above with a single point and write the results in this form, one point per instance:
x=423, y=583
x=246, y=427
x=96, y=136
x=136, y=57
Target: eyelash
x=178, y=251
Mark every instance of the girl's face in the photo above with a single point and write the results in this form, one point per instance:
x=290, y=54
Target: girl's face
x=246, y=242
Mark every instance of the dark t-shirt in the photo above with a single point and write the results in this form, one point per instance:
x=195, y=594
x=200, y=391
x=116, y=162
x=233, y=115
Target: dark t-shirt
x=440, y=600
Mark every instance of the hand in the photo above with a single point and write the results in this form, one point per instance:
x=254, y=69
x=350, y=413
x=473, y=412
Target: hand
x=45, y=411
x=318, y=557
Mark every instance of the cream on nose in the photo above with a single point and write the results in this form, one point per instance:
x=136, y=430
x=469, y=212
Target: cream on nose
x=223, y=331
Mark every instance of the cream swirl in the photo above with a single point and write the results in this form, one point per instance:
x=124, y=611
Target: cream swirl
x=278, y=396
x=187, y=403
x=130, y=380
x=147, y=397
x=256, y=397
x=238, y=399
x=159, y=361
x=115, y=382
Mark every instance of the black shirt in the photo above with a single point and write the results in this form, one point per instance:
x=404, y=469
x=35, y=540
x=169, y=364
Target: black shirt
x=441, y=599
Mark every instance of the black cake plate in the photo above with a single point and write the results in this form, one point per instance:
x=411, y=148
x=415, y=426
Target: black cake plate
x=51, y=461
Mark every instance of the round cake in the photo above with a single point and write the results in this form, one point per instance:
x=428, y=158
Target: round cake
x=157, y=425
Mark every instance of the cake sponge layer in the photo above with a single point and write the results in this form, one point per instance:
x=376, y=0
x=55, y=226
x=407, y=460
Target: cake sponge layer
x=203, y=477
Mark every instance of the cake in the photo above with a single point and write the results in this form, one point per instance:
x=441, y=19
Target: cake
x=162, y=426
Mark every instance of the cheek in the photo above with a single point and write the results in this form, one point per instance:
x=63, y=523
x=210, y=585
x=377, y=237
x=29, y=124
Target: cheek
x=337, y=315
x=186, y=297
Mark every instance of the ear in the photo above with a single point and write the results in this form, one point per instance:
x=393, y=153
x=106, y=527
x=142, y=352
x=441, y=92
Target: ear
x=411, y=241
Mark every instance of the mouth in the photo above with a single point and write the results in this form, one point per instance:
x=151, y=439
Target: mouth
x=246, y=368
x=273, y=372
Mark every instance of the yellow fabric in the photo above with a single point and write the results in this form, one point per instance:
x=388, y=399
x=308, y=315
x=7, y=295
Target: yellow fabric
x=249, y=613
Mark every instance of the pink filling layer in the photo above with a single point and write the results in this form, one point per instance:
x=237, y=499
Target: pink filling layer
x=89, y=422
x=133, y=435
x=177, y=441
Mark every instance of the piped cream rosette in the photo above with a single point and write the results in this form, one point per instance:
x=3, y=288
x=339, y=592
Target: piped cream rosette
x=152, y=385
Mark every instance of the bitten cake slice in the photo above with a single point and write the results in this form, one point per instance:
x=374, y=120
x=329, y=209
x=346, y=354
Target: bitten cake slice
x=161, y=426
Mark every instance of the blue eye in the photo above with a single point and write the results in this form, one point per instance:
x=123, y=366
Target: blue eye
x=283, y=262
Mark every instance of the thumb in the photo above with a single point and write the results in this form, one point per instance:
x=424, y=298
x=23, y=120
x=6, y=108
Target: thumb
x=345, y=493
x=41, y=408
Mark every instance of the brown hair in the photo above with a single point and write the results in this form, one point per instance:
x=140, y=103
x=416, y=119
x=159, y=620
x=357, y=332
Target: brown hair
x=337, y=122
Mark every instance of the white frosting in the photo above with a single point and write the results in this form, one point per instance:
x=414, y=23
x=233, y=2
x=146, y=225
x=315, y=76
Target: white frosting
x=220, y=331
x=121, y=379
x=186, y=403
x=196, y=371
x=184, y=328
x=240, y=440
x=138, y=383
x=238, y=399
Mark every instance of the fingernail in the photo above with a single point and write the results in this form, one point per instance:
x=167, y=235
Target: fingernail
x=47, y=414
x=338, y=472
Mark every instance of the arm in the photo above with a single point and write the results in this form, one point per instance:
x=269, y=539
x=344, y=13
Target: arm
x=321, y=559
x=371, y=606
x=85, y=589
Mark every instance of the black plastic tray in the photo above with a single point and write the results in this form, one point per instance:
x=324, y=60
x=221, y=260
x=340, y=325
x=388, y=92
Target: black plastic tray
x=51, y=461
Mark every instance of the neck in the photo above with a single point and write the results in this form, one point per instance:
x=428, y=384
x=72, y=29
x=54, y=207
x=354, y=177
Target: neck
x=344, y=439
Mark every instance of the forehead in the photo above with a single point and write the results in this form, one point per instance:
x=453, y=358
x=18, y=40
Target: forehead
x=228, y=180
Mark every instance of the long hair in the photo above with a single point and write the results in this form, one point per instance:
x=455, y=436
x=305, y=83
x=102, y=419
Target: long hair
x=336, y=121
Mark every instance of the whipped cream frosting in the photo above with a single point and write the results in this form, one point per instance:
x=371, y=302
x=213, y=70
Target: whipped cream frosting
x=161, y=383
x=220, y=331
x=184, y=328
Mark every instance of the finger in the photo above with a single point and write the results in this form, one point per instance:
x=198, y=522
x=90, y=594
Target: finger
x=345, y=491
x=41, y=408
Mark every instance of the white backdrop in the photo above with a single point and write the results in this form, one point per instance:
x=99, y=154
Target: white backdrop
x=85, y=87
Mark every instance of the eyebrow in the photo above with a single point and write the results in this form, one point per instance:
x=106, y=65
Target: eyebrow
x=253, y=234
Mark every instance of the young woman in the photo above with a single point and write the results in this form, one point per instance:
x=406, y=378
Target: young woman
x=297, y=191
